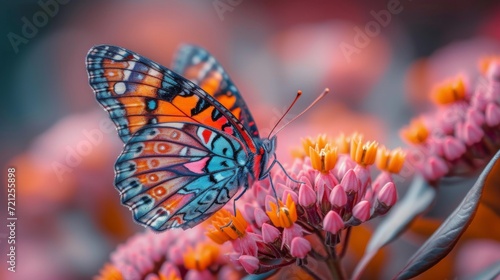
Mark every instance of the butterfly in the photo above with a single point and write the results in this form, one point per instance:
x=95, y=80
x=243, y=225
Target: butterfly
x=191, y=142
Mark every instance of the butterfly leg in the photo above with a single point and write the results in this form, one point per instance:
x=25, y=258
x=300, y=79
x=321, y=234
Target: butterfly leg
x=274, y=189
x=287, y=175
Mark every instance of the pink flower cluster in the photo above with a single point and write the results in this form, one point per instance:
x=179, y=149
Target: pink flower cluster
x=463, y=132
x=321, y=207
x=172, y=255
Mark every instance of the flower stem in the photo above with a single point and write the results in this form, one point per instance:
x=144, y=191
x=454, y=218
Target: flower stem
x=332, y=261
x=310, y=272
x=335, y=268
x=346, y=242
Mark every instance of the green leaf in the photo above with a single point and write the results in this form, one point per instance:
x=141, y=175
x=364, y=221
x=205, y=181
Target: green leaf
x=417, y=200
x=447, y=235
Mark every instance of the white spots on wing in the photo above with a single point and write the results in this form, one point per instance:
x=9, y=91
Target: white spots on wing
x=175, y=135
x=123, y=53
x=174, y=125
x=117, y=57
x=131, y=65
x=157, y=220
x=202, y=136
x=120, y=88
x=111, y=74
x=218, y=177
x=126, y=74
x=154, y=73
x=183, y=152
x=241, y=158
x=196, y=59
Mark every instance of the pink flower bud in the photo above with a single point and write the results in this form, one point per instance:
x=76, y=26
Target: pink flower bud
x=260, y=216
x=475, y=116
x=434, y=168
x=290, y=233
x=333, y=222
x=478, y=101
x=338, y=198
x=453, y=148
x=382, y=179
x=307, y=196
x=269, y=233
x=293, y=195
x=300, y=247
x=388, y=194
x=472, y=133
x=249, y=263
x=344, y=163
x=365, y=178
x=323, y=186
x=492, y=114
x=361, y=211
x=248, y=211
x=350, y=182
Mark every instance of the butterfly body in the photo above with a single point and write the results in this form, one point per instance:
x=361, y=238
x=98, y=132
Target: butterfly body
x=190, y=145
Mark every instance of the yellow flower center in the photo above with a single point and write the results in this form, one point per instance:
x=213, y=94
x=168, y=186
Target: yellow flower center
x=364, y=153
x=323, y=155
x=449, y=92
x=416, y=132
x=343, y=143
x=391, y=161
x=285, y=215
x=203, y=256
x=109, y=272
x=224, y=226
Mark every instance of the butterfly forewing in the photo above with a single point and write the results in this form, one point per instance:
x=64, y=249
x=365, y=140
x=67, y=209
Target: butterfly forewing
x=138, y=92
x=197, y=65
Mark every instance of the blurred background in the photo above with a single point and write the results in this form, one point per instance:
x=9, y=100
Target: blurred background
x=379, y=58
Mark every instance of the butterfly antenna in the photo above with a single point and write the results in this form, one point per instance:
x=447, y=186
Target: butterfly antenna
x=323, y=94
x=299, y=93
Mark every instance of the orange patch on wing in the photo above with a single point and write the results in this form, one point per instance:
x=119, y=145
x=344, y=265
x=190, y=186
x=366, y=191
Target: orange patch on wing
x=113, y=74
x=227, y=101
x=141, y=165
x=212, y=83
x=176, y=201
x=166, y=108
x=132, y=105
x=136, y=123
x=109, y=63
x=148, y=89
x=236, y=112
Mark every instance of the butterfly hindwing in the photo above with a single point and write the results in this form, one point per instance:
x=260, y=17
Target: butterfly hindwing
x=197, y=65
x=138, y=92
x=179, y=174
